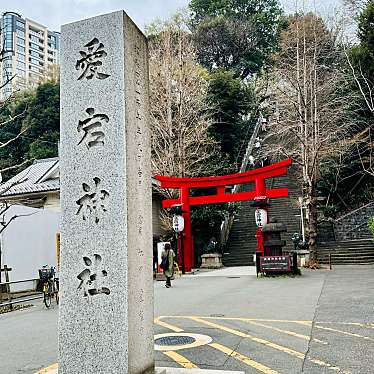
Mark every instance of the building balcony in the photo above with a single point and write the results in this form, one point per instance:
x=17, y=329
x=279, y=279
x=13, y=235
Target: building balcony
x=39, y=34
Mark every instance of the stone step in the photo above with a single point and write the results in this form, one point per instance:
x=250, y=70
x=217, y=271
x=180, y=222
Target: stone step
x=366, y=243
x=338, y=248
x=239, y=263
x=351, y=248
x=346, y=251
x=242, y=241
x=241, y=247
x=347, y=248
x=348, y=258
x=240, y=253
x=342, y=249
x=349, y=243
x=351, y=251
x=358, y=262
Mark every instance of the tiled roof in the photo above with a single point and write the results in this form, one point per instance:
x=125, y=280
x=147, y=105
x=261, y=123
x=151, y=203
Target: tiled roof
x=32, y=179
x=35, y=179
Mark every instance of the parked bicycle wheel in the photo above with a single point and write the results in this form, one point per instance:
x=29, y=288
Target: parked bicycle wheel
x=57, y=286
x=47, y=299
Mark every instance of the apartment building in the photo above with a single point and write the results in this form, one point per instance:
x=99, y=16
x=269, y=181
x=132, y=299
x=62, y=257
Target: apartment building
x=30, y=53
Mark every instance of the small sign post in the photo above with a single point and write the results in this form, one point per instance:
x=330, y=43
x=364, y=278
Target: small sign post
x=58, y=240
x=6, y=270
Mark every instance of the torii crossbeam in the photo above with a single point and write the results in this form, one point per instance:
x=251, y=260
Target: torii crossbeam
x=260, y=192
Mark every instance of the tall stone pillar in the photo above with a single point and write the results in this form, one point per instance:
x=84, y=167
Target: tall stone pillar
x=106, y=310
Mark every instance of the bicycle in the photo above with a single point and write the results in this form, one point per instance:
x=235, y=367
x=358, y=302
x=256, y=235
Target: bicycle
x=50, y=285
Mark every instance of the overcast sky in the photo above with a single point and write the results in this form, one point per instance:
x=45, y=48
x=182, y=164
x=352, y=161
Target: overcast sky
x=54, y=13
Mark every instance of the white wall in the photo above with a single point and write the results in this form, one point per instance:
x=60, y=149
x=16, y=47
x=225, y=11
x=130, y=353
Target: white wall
x=28, y=243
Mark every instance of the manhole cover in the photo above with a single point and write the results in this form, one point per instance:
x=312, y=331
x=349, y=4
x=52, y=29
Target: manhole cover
x=175, y=340
x=217, y=315
x=233, y=277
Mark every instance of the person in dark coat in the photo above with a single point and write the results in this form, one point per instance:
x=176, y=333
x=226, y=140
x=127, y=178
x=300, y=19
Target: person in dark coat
x=169, y=271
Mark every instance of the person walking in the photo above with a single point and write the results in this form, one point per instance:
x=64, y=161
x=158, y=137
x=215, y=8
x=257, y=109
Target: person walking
x=167, y=263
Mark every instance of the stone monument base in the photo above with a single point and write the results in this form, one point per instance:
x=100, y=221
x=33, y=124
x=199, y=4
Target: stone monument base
x=211, y=261
x=302, y=256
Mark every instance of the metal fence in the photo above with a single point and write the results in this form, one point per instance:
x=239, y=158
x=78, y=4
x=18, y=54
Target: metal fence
x=11, y=297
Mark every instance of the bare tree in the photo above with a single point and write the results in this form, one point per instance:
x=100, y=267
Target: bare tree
x=312, y=124
x=181, y=145
x=363, y=141
x=354, y=7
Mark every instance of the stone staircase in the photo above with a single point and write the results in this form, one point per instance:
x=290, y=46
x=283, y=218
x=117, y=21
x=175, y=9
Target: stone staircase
x=347, y=252
x=241, y=244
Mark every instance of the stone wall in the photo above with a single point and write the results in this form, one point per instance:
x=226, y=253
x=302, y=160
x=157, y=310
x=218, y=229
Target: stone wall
x=354, y=225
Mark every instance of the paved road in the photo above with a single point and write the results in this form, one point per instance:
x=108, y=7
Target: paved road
x=321, y=322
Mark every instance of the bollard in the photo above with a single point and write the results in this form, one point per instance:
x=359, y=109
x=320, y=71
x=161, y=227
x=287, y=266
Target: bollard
x=7, y=270
x=258, y=255
x=294, y=263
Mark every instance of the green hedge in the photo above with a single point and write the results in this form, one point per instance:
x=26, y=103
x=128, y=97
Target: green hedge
x=371, y=225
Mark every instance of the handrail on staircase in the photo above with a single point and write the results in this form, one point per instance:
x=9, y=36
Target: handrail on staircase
x=354, y=211
x=229, y=219
x=356, y=227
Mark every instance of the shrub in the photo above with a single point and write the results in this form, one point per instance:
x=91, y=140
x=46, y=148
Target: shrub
x=371, y=225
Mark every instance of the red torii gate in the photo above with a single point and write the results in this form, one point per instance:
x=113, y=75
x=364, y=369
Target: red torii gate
x=258, y=176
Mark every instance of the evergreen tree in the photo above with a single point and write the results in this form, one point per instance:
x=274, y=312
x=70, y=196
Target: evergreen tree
x=38, y=113
x=239, y=35
x=231, y=102
x=235, y=40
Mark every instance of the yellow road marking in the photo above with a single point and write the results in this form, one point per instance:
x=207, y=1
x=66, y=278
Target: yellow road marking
x=266, y=343
x=304, y=323
x=167, y=325
x=228, y=351
x=291, y=333
x=47, y=369
x=245, y=335
x=344, y=332
x=364, y=325
x=259, y=319
x=242, y=319
x=181, y=360
x=244, y=359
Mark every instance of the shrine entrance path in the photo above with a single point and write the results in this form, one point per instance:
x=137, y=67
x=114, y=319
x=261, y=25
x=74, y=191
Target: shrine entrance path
x=322, y=322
